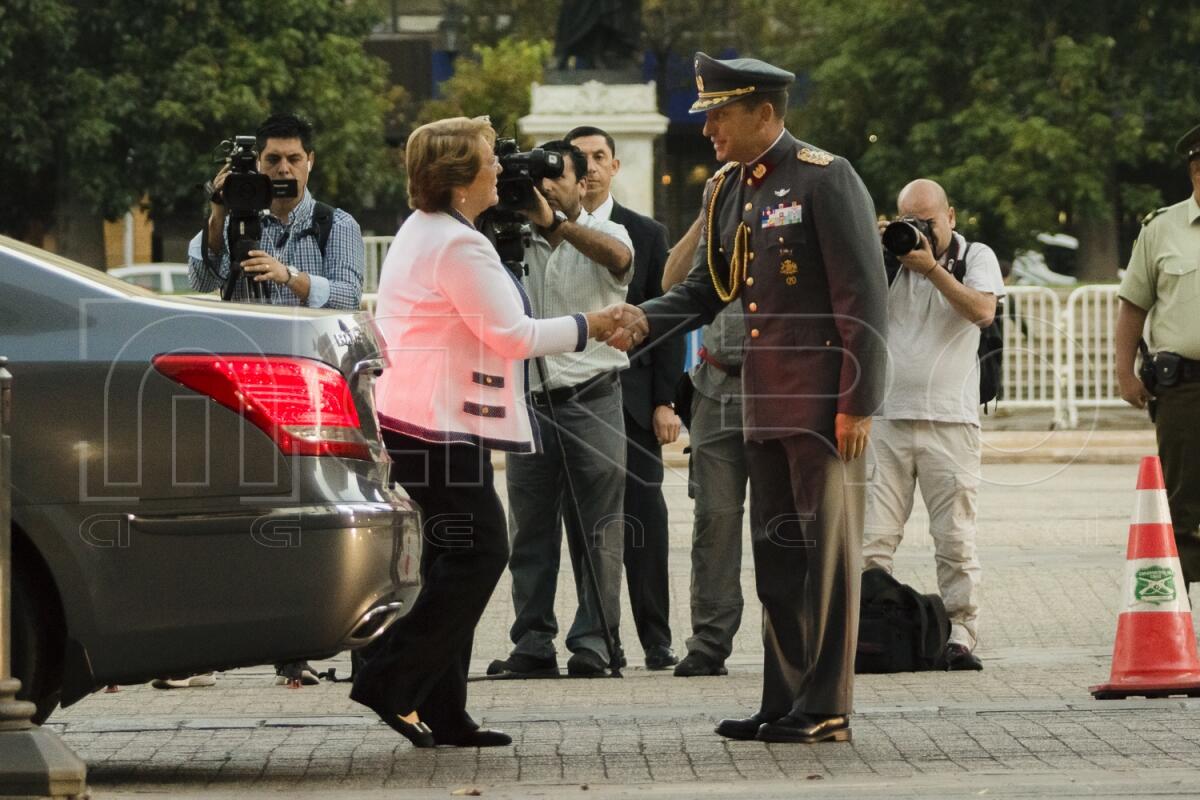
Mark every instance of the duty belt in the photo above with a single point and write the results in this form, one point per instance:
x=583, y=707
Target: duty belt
x=732, y=370
x=600, y=386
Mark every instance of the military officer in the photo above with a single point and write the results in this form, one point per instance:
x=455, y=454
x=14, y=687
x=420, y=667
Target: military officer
x=789, y=229
x=1162, y=282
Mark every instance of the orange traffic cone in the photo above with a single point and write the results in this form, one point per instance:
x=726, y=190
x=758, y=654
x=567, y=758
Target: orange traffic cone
x=1155, y=651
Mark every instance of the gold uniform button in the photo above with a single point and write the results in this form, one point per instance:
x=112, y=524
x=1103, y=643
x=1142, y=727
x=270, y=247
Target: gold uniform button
x=828, y=342
x=751, y=256
x=748, y=206
x=753, y=307
x=749, y=182
x=754, y=333
x=750, y=281
x=484, y=410
x=488, y=381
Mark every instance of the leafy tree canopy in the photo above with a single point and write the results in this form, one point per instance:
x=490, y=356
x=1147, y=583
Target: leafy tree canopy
x=114, y=102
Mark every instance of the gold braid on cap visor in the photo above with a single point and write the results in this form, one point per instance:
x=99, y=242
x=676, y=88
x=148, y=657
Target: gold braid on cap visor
x=706, y=99
x=741, y=246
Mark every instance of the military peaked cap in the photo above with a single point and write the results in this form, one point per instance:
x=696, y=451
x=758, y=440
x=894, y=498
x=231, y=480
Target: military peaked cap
x=721, y=82
x=1188, y=145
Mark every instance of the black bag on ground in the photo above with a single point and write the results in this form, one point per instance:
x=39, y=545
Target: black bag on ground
x=899, y=629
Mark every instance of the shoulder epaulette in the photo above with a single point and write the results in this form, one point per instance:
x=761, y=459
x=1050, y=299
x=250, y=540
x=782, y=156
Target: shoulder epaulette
x=728, y=165
x=1146, y=219
x=810, y=155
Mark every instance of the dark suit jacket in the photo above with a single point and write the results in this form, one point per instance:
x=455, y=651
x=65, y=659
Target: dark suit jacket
x=653, y=369
x=815, y=300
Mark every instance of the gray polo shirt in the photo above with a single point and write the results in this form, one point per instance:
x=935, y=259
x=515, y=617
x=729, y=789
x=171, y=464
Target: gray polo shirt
x=563, y=281
x=1164, y=278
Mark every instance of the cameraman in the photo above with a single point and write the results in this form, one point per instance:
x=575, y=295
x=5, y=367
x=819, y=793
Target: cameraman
x=928, y=428
x=291, y=257
x=575, y=261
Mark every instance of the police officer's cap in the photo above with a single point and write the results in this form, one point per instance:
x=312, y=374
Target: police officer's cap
x=1188, y=145
x=721, y=82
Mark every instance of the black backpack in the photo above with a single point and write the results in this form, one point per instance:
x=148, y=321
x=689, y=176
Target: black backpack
x=991, y=345
x=322, y=224
x=899, y=629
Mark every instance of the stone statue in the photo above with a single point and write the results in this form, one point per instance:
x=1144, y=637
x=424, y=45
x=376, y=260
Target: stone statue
x=599, y=34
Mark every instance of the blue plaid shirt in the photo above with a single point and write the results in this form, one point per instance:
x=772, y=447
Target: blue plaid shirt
x=336, y=280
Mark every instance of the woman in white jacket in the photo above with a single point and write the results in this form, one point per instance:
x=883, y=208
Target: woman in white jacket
x=458, y=330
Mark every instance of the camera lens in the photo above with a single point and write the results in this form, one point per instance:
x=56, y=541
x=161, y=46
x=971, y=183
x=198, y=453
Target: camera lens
x=901, y=237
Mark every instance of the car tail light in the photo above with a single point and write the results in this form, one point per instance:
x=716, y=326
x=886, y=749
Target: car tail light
x=305, y=406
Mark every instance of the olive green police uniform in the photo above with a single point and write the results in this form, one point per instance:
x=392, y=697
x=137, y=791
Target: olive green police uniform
x=793, y=235
x=1163, y=278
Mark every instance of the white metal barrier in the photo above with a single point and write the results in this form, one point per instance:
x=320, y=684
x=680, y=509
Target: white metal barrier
x=377, y=247
x=1091, y=322
x=1033, y=354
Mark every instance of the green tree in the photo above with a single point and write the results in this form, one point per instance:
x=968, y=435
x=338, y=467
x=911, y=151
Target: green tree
x=1035, y=116
x=494, y=81
x=130, y=97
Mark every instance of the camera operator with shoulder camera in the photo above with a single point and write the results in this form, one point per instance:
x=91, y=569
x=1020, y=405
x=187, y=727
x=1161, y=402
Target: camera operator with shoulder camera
x=574, y=260
x=300, y=253
x=942, y=291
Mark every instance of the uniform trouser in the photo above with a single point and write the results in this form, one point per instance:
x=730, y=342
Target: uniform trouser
x=718, y=485
x=1177, y=425
x=806, y=509
x=592, y=431
x=943, y=457
x=646, y=537
x=421, y=661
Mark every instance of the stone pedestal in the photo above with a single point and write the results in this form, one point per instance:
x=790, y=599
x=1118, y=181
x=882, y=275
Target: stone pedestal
x=628, y=112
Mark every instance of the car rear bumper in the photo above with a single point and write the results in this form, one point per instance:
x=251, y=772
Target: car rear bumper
x=248, y=587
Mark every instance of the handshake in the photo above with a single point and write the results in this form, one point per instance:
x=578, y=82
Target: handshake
x=620, y=325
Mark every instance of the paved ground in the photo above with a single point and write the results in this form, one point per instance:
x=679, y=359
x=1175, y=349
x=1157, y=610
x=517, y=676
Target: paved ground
x=1052, y=539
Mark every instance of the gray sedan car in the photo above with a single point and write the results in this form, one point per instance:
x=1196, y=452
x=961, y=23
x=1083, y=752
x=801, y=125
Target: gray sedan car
x=196, y=485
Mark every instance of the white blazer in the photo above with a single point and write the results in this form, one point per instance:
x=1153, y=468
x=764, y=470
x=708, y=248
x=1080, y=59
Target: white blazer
x=457, y=330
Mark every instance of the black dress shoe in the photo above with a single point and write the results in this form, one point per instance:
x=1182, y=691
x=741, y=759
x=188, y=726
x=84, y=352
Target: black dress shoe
x=520, y=665
x=744, y=729
x=697, y=663
x=806, y=729
x=959, y=657
x=660, y=657
x=416, y=732
x=586, y=664
x=479, y=737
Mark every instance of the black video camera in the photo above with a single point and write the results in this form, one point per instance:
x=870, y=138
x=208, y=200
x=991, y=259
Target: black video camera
x=505, y=227
x=245, y=194
x=518, y=171
x=245, y=188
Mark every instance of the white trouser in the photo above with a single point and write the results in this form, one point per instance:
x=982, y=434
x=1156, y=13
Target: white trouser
x=944, y=458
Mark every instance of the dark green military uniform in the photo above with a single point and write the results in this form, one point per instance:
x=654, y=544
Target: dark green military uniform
x=793, y=235
x=1163, y=278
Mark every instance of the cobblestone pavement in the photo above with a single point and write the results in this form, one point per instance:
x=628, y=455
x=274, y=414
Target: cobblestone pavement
x=1052, y=541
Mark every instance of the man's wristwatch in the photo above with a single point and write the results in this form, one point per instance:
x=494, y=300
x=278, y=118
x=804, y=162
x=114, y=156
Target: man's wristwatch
x=559, y=219
x=293, y=273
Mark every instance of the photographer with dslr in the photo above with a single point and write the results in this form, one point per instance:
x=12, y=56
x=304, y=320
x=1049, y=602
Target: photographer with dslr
x=307, y=254
x=575, y=261
x=927, y=430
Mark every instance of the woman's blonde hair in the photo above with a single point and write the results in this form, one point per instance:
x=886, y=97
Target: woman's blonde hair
x=442, y=155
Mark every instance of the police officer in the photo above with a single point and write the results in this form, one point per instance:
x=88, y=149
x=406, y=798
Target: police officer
x=1162, y=282
x=790, y=230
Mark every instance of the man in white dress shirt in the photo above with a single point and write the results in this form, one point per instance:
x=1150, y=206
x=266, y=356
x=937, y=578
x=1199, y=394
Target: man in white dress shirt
x=578, y=477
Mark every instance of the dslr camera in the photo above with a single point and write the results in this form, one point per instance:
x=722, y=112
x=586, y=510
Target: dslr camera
x=902, y=236
x=247, y=190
